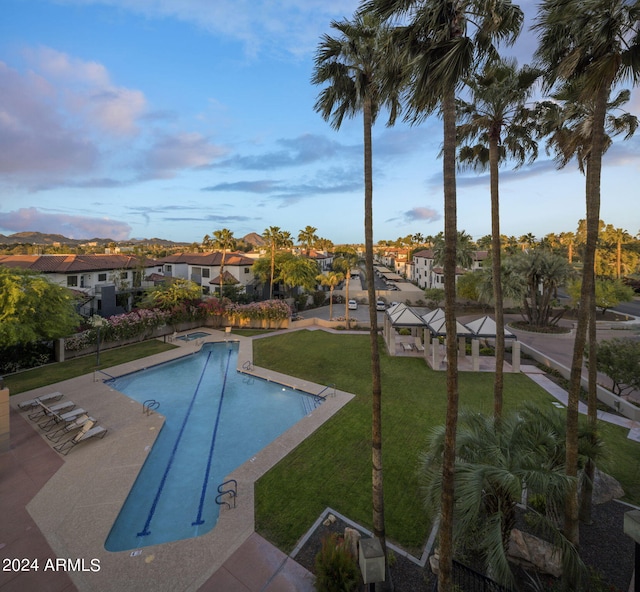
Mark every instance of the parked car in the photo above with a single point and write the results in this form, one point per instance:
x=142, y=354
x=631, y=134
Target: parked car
x=353, y=305
x=380, y=305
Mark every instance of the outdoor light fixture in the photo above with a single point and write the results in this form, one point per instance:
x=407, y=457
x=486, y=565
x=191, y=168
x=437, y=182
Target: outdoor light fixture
x=371, y=560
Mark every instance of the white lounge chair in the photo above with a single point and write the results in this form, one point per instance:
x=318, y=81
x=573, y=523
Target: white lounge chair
x=71, y=426
x=60, y=418
x=31, y=403
x=46, y=410
x=89, y=430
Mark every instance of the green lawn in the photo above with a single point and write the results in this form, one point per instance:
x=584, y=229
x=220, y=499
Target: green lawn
x=333, y=466
x=52, y=373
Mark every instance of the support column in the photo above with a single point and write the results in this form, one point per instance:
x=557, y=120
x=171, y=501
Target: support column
x=462, y=347
x=475, y=354
x=515, y=356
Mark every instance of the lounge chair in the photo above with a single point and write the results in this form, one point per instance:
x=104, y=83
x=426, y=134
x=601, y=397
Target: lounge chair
x=71, y=426
x=31, y=403
x=418, y=345
x=60, y=418
x=407, y=346
x=89, y=430
x=46, y=410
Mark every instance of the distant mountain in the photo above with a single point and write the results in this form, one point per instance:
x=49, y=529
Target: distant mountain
x=39, y=238
x=254, y=239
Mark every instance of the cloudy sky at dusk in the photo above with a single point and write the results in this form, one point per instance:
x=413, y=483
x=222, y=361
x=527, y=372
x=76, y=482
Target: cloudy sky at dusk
x=176, y=118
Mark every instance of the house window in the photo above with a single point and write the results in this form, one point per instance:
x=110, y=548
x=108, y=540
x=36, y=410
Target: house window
x=168, y=268
x=206, y=272
x=102, y=277
x=72, y=281
x=246, y=270
x=124, y=275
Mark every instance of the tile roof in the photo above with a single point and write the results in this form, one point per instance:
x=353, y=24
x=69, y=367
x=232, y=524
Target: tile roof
x=73, y=263
x=208, y=259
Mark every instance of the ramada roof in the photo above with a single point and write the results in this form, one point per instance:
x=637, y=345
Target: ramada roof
x=208, y=259
x=73, y=263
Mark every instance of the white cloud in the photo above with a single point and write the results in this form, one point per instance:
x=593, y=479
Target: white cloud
x=290, y=26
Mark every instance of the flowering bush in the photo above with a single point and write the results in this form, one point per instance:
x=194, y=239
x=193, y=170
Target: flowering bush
x=80, y=340
x=265, y=310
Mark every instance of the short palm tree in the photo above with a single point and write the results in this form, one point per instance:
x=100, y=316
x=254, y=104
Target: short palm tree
x=492, y=469
x=331, y=279
x=596, y=44
x=225, y=241
x=498, y=120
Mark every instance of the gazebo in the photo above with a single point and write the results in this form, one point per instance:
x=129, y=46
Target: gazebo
x=426, y=329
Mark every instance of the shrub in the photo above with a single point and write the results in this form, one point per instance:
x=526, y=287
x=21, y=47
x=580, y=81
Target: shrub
x=336, y=568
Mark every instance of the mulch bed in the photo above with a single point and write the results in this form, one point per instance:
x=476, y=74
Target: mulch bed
x=603, y=547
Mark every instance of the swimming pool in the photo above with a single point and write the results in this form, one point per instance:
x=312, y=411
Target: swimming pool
x=216, y=419
x=193, y=336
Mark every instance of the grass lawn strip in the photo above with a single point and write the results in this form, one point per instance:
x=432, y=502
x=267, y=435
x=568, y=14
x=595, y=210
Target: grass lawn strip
x=333, y=466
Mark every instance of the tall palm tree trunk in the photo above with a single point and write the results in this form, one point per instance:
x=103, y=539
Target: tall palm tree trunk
x=224, y=253
x=450, y=238
x=376, y=415
x=496, y=265
x=593, y=175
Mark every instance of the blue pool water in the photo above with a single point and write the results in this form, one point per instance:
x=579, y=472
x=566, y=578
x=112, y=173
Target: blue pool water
x=216, y=419
x=192, y=336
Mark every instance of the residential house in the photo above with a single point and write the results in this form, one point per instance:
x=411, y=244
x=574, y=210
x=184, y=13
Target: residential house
x=105, y=284
x=427, y=275
x=204, y=269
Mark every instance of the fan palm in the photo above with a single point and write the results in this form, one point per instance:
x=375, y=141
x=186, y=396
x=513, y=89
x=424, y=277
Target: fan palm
x=331, y=279
x=308, y=237
x=353, y=65
x=345, y=263
x=596, y=43
x=492, y=469
x=497, y=119
x=569, y=122
x=223, y=240
x=443, y=42
x=276, y=239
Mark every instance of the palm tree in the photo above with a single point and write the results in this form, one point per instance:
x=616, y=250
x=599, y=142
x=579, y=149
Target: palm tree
x=223, y=240
x=308, y=237
x=443, y=42
x=345, y=263
x=492, y=469
x=353, y=66
x=497, y=118
x=331, y=279
x=275, y=239
x=594, y=46
x=464, y=249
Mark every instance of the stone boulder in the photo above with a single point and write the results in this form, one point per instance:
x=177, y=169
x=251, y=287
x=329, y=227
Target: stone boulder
x=532, y=552
x=605, y=488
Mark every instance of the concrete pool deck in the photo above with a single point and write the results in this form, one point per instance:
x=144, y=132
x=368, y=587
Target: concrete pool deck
x=76, y=507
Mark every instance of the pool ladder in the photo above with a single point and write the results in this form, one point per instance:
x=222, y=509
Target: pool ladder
x=149, y=406
x=232, y=491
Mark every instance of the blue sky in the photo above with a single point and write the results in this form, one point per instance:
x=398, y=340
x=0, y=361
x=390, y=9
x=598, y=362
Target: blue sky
x=176, y=118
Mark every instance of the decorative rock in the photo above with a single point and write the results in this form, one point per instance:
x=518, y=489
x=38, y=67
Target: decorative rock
x=351, y=538
x=330, y=520
x=434, y=562
x=530, y=551
x=605, y=488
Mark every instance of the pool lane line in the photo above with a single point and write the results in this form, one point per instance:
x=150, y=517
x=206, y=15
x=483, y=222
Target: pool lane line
x=145, y=531
x=199, y=519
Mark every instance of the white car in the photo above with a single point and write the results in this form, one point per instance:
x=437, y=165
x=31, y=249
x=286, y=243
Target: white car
x=353, y=305
x=380, y=305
